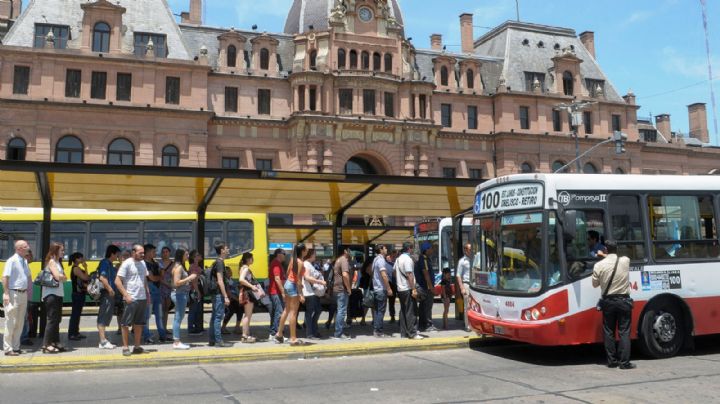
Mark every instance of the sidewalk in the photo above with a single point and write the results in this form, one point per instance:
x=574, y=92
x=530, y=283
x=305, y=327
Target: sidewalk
x=85, y=354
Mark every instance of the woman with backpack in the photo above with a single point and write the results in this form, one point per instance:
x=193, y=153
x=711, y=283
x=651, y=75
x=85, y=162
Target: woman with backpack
x=249, y=290
x=180, y=291
x=79, y=279
x=313, y=289
x=293, y=295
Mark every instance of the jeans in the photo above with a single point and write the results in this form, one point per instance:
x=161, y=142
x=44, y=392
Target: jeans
x=342, y=302
x=312, y=315
x=408, y=314
x=53, y=310
x=391, y=299
x=218, y=313
x=78, y=302
x=25, y=335
x=180, y=299
x=380, y=302
x=157, y=311
x=617, y=312
x=195, y=316
x=276, y=308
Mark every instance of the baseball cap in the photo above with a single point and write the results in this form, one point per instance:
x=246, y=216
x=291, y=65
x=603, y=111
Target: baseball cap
x=426, y=245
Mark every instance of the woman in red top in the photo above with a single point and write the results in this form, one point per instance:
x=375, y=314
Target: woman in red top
x=293, y=295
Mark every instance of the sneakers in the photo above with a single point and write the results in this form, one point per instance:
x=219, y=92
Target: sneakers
x=126, y=352
x=627, y=366
x=342, y=337
x=418, y=336
x=180, y=345
x=106, y=345
x=432, y=328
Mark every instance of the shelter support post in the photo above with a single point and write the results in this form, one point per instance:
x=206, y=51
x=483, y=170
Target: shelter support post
x=202, y=210
x=340, y=215
x=46, y=198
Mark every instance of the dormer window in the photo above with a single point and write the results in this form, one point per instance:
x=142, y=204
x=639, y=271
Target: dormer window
x=264, y=59
x=470, y=78
x=101, y=38
x=60, y=32
x=568, y=83
x=596, y=88
x=159, y=42
x=313, y=60
x=231, y=56
x=444, y=76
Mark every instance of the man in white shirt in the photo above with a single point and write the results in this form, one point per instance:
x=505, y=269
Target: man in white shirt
x=407, y=292
x=131, y=282
x=463, y=280
x=16, y=282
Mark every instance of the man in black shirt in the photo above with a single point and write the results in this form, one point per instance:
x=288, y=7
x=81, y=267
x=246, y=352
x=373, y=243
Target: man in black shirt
x=153, y=277
x=219, y=298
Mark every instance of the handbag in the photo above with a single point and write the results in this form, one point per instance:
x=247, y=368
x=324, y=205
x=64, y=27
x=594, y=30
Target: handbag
x=368, y=298
x=601, y=302
x=46, y=279
x=259, y=294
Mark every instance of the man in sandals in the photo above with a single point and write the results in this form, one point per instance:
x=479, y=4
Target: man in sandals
x=131, y=282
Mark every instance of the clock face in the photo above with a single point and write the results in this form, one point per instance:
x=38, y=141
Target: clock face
x=365, y=14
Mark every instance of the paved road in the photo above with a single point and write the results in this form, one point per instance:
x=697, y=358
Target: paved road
x=491, y=371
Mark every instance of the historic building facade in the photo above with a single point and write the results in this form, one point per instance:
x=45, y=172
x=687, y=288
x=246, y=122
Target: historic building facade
x=341, y=89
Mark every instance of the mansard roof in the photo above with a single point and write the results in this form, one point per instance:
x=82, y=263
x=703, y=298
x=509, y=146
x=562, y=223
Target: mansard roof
x=304, y=13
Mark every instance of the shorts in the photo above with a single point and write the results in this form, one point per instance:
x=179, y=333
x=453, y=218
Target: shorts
x=134, y=313
x=291, y=289
x=106, y=309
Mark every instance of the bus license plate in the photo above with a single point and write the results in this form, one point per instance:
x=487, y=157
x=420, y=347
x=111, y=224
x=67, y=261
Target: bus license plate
x=499, y=330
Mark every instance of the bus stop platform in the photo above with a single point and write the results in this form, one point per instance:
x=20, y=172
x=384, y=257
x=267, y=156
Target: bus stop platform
x=85, y=354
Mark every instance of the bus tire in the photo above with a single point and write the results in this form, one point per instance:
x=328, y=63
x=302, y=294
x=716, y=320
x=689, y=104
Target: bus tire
x=662, y=330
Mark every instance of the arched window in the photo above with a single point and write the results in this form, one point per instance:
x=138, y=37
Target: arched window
x=121, y=152
x=359, y=165
x=377, y=61
x=388, y=63
x=470, y=78
x=101, y=37
x=341, y=58
x=264, y=59
x=444, y=76
x=526, y=168
x=16, y=149
x=568, y=83
x=69, y=149
x=589, y=168
x=313, y=60
x=558, y=164
x=231, y=56
x=353, y=59
x=365, y=60
x=170, y=156
x=619, y=171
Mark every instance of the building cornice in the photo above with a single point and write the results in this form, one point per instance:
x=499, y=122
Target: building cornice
x=104, y=107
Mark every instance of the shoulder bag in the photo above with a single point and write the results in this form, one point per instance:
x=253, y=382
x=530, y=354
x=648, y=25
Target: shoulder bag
x=46, y=279
x=601, y=302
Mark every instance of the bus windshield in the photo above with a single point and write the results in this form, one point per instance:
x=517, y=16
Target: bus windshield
x=510, y=255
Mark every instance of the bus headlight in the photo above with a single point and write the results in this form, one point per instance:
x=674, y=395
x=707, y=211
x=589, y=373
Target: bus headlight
x=535, y=314
x=527, y=315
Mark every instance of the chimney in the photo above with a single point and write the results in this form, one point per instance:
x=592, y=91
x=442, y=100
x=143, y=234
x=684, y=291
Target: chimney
x=629, y=98
x=195, y=15
x=436, y=42
x=466, y=33
x=588, y=40
x=16, y=8
x=662, y=123
x=698, y=122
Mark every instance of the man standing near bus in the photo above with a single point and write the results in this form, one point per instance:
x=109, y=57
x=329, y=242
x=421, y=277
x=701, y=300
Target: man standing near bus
x=612, y=275
x=463, y=280
x=106, y=274
x=15, y=281
x=407, y=292
x=426, y=287
x=132, y=285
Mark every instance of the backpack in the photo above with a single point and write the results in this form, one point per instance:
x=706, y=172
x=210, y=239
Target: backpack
x=94, y=286
x=208, y=281
x=330, y=279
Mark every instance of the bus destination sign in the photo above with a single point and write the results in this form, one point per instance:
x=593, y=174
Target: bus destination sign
x=509, y=197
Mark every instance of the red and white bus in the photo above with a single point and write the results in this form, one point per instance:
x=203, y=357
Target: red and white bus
x=531, y=271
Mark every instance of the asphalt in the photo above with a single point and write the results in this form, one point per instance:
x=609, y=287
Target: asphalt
x=85, y=354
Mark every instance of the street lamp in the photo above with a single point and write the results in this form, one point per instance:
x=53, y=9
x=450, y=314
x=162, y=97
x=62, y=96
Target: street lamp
x=575, y=110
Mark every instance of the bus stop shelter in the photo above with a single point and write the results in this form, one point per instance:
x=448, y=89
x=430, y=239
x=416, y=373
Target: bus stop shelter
x=150, y=188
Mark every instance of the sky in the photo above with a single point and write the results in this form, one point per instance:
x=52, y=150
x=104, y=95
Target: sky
x=656, y=48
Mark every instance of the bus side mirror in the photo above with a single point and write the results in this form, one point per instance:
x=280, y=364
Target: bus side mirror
x=569, y=224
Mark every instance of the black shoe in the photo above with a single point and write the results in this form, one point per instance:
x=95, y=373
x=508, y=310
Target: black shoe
x=223, y=344
x=327, y=325
x=138, y=350
x=81, y=336
x=211, y=343
x=627, y=366
x=74, y=338
x=613, y=365
x=26, y=342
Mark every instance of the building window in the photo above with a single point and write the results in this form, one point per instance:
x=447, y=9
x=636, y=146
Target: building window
x=101, y=37
x=159, y=42
x=263, y=101
x=616, y=122
x=121, y=153
x=446, y=115
x=444, y=76
x=648, y=135
x=264, y=164
x=369, y=102
x=530, y=78
x=449, y=172
x=353, y=59
x=69, y=149
x=475, y=173
x=390, y=105
x=568, y=85
x=596, y=88
x=231, y=99
x=365, y=60
x=619, y=171
x=170, y=156
x=423, y=106
x=98, y=85
x=412, y=106
x=341, y=58
x=346, y=101
x=524, y=117
x=73, y=78
x=301, y=98
x=60, y=32
x=377, y=61
x=589, y=168
x=232, y=163
x=388, y=63
x=587, y=122
x=313, y=60
x=264, y=59
x=557, y=122
x=21, y=79
x=313, y=98
x=557, y=165
x=472, y=117
x=470, y=78
x=172, y=90
x=231, y=56
x=526, y=168
x=16, y=149
x=124, y=87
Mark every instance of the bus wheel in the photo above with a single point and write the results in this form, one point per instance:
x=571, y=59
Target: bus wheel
x=662, y=330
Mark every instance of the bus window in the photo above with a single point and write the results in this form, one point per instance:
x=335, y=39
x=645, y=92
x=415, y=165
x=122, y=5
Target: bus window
x=169, y=234
x=521, y=237
x=485, y=263
x=121, y=234
x=213, y=233
x=11, y=232
x=580, y=262
x=239, y=236
x=626, y=226
x=682, y=227
x=554, y=272
x=71, y=234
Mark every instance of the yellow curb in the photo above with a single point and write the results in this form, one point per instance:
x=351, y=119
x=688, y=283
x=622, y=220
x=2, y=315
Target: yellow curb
x=195, y=356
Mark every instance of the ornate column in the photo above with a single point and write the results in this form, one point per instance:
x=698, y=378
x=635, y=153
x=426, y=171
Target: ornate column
x=409, y=168
x=311, y=165
x=327, y=166
x=423, y=163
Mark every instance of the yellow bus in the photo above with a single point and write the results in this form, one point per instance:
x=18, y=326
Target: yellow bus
x=91, y=231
